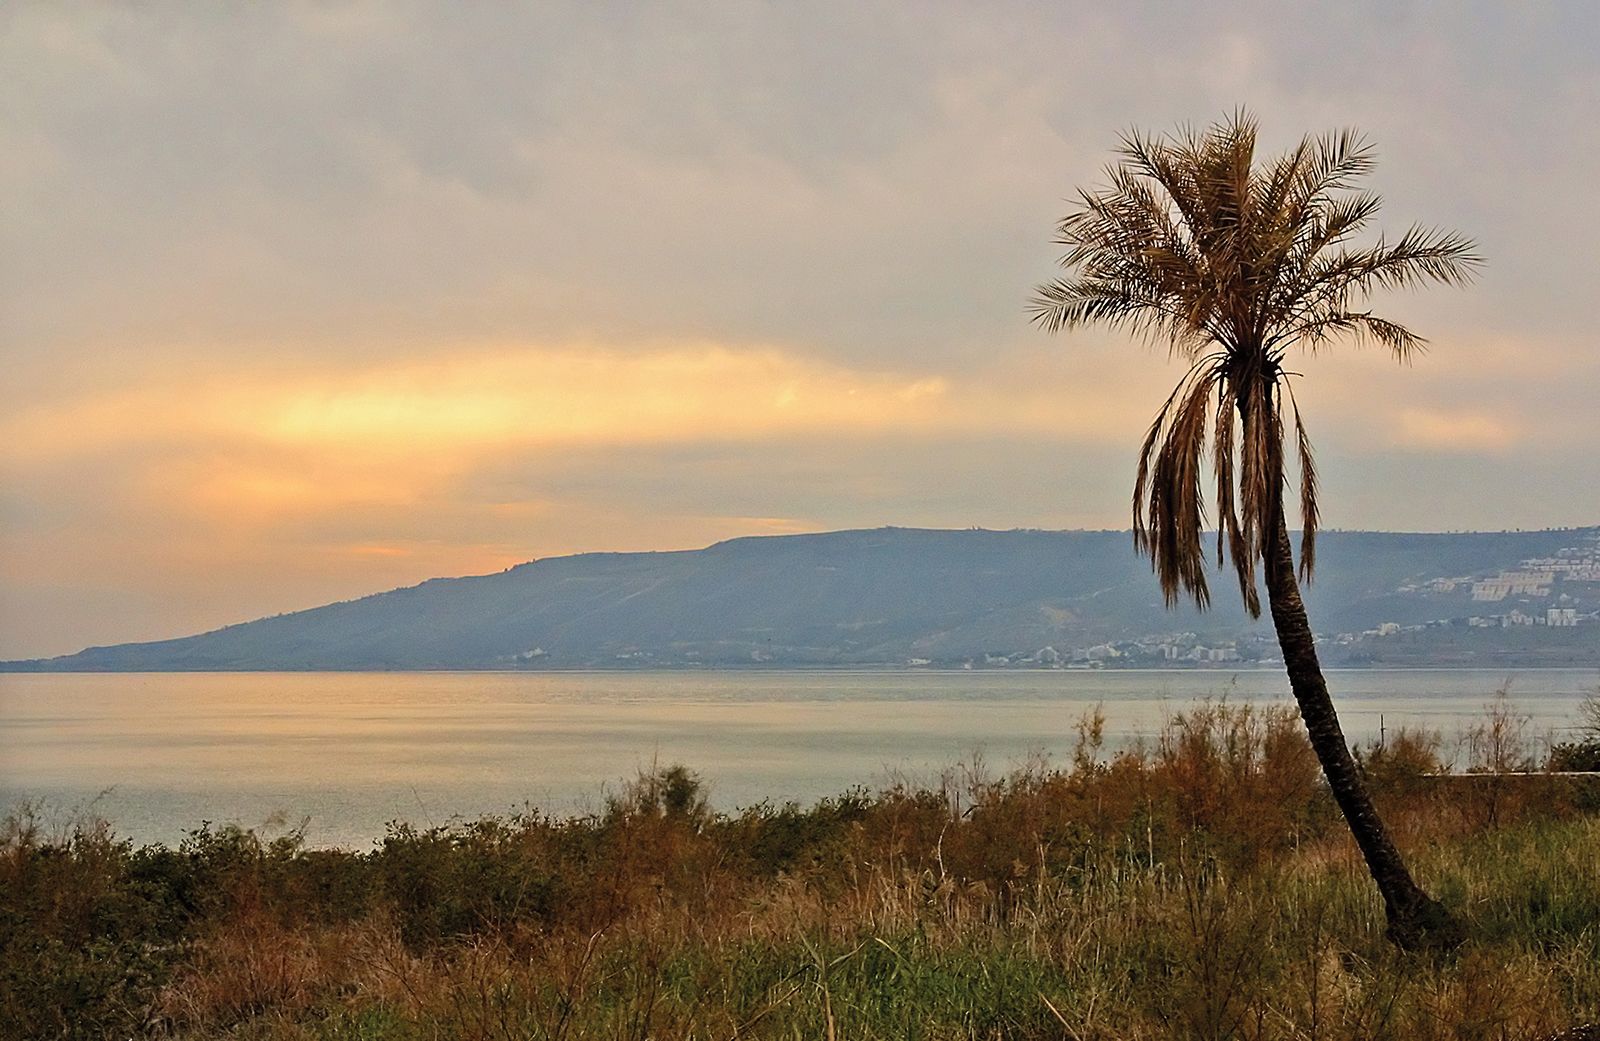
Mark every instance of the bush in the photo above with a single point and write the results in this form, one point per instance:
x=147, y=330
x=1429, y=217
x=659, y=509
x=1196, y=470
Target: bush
x=89, y=934
x=1575, y=756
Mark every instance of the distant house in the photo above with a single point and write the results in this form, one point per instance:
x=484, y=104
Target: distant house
x=1513, y=583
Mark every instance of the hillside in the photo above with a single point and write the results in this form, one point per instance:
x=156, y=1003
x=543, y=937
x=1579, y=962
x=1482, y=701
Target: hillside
x=893, y=596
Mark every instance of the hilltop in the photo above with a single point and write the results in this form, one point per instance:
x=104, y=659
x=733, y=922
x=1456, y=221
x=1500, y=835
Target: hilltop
x=896, y=596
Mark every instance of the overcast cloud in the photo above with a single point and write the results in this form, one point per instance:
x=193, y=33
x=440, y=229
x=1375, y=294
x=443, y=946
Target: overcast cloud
x=302, y=301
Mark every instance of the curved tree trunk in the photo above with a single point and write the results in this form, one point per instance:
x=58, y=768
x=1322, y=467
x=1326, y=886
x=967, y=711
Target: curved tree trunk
x=1415, y=919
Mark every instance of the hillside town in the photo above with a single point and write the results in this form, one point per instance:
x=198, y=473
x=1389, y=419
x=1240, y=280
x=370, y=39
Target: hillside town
x=1561, y=591
x=1551, y=593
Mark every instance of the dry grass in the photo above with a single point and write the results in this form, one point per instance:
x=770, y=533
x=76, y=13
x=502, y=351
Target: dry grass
x=1199, y=887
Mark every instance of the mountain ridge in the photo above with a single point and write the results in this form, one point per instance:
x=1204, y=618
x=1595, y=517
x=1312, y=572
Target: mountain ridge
x=856, y=597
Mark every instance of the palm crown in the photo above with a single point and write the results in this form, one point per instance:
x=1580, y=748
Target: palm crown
x=1232, y=265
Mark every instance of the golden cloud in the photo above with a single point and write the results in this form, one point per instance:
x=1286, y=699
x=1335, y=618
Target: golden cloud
x=1456, y=430
x=464, y=402
x=568, y=396
x=499, y=396
x=233, y=455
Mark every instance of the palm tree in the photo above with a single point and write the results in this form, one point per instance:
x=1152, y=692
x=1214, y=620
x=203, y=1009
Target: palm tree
x=1233, y=265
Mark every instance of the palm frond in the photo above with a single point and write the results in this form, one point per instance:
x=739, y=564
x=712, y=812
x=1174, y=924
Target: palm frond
x=1170, y=487
x=1333, y=282
x=1340, y=159
x=1126, y=303
x=1310, y=516
x=1229, y=531
x=1362, y=327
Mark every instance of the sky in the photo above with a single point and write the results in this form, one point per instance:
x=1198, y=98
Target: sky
x=300, y=302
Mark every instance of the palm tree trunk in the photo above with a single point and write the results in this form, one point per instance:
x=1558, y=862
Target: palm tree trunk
x=1415, y=920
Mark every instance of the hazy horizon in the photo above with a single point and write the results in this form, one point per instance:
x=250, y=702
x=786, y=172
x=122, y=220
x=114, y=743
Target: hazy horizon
x=304, y=303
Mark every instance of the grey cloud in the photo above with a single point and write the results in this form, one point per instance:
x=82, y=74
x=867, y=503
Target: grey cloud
x=862, y=179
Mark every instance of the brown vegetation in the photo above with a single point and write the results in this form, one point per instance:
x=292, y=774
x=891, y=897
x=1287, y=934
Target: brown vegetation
x=1198, y=886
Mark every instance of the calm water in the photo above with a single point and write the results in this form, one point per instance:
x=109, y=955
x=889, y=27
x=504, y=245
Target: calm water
x=158, y=753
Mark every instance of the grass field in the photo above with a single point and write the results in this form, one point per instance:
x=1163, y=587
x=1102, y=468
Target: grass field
x=1200, y=886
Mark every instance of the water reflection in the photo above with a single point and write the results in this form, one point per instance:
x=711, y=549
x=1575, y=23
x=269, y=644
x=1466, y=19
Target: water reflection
x=157, y=753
